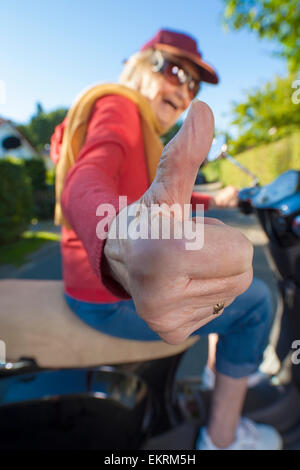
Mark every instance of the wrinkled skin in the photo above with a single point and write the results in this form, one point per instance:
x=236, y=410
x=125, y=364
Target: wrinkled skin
x=175, y=289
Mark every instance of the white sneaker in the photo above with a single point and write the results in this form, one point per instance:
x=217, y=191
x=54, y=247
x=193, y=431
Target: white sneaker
x=208, y=378
x=249, y=436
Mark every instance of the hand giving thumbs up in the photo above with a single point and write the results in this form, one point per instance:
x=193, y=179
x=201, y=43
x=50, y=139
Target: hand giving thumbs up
x=176, y=289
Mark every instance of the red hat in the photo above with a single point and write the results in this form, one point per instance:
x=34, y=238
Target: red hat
x=182, y=45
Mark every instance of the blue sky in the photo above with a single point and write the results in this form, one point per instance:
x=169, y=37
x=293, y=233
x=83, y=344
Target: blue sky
x=52, y=49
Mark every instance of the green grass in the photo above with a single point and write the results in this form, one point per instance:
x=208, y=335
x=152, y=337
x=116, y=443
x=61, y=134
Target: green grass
x=17, y=253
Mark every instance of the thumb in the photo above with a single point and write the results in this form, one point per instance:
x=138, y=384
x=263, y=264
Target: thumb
x=181, y=158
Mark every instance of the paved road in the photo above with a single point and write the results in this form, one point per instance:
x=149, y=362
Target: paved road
x=43, y=264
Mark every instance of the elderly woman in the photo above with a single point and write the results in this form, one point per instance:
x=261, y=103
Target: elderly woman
x=156, y=289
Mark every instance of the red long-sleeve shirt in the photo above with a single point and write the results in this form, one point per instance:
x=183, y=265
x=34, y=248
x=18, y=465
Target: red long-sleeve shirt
x=111, y=163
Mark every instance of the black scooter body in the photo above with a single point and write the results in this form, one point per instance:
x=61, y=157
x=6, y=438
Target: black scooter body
x=277, y=207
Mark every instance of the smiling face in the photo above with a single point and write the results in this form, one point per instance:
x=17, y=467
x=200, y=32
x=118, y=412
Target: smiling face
x=168, y=101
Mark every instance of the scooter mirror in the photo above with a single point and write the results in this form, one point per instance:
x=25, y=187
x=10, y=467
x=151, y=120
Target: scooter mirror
x=218, y=150
x=218, y=147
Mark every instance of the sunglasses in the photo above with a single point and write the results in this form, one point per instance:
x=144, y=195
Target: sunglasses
x=177, y=75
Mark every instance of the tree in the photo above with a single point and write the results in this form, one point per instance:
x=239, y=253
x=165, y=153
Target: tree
x=267, y=114
x=277, y=20
x=41, y=126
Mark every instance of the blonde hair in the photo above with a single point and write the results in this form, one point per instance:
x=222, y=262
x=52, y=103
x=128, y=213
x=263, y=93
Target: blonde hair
x=135, y=68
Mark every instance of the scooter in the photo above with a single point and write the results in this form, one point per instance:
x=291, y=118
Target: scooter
x=142, y=405
x=277, y=208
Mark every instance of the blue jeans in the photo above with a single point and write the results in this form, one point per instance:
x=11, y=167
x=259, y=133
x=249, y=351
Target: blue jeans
x=243, y=328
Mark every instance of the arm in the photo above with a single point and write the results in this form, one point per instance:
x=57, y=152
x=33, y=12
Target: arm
x=226, y=197
x=94, y=179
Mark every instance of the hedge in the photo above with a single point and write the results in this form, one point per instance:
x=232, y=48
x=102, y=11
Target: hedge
x=266, y=161
x=43, y=193
x=36, y=170
x=16, y=203
x=44, y=202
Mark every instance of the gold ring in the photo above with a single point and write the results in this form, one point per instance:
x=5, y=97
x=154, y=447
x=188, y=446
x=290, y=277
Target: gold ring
x=218, y=307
